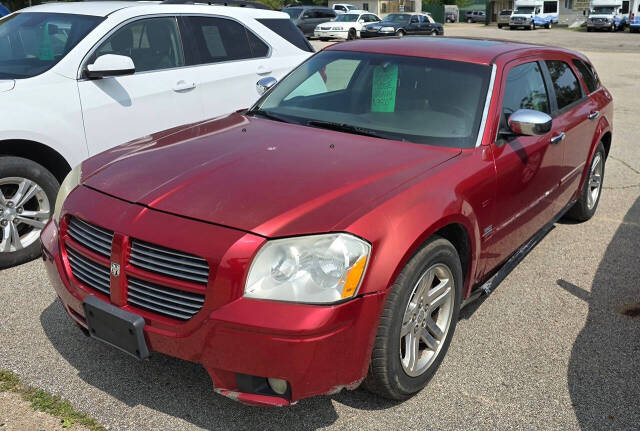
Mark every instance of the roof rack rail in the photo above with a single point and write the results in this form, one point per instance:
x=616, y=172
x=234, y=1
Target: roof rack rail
x=238, y=3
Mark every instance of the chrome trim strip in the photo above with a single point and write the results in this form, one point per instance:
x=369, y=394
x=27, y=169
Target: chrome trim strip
x=572, y=173
x=487, y=102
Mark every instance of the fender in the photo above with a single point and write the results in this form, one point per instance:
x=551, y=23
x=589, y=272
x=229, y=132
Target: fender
x=602, y=128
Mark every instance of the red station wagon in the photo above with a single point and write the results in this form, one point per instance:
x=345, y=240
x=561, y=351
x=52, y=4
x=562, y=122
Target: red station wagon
x=329, y=236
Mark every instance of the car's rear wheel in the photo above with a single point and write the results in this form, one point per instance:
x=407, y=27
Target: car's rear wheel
x=434, y=33
x=417, y=323
x=400, y=33
x=27, y=196
x=548, y=25
x=469, y=20
x=352, y=34
x=591, y=191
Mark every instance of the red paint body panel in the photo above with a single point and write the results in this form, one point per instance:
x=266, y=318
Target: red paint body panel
x=220, y=189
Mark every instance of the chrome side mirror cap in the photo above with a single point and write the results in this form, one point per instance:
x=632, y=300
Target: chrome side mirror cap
x=265, y=84
x=529, y=122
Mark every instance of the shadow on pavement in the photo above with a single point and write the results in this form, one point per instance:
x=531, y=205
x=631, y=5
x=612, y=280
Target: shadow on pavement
x=183, y=389
x=604, y=368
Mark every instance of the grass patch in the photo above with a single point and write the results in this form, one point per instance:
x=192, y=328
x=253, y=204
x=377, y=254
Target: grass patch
x=47, y=403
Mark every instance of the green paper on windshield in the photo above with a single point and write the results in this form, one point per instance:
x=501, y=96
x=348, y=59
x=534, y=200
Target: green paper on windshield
x=45, y=51
x=383, y=93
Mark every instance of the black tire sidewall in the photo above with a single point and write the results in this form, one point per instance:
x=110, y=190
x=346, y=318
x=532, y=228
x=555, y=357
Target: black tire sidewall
x=580, y=210
x=437, y=251
x=25, y=168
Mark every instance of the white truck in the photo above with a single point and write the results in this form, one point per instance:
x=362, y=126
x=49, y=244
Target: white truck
x=606, y=15
x=634, y=16
x=530, y=14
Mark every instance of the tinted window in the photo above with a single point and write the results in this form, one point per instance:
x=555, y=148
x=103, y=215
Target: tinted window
x=288, y=31
x=588, y=75
x=565, y=83
x=152, y=44
x=294, y=12
x=219, y=39
x=525, y=89
x=550, y=7
x=326, y=13
x=420, y=100
x=31, y=43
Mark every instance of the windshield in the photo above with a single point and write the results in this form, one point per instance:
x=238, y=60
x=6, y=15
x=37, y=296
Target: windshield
x=525, y=10
x=397, y=17
x=347, y=17
x=605, y=10
x=419, y=100
x=294, y=12
x=32, y=43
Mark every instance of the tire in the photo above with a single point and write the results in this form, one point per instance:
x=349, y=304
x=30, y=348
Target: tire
x=448, y=21
x=532, y=26
x=388, y=375
x=589, y=29
x=434, y=33
x=547, y=25
x=499, y=26
x=400, y=33
x=42, y=187
x=588, y=201
x=352, y=34
x=512, y=27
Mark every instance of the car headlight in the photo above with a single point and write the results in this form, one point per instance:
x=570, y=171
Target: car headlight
x=315, y=269
x=70, y=182
x=386, y=29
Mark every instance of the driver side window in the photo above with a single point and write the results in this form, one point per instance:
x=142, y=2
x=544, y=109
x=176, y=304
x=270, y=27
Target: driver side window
x=525, y=89
x=152, y=44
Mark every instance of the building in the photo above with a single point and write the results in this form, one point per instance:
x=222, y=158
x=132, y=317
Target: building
x=384, y=7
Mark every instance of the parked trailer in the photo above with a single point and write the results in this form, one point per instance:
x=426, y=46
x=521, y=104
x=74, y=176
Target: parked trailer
x=530, y=14
x=606, y=15
x=634, y=16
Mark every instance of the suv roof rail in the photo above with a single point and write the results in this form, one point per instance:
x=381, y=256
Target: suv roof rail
x=238, y=3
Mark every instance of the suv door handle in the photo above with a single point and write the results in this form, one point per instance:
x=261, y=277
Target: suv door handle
x=184, y=85
x=594, y=115
x=559, y=138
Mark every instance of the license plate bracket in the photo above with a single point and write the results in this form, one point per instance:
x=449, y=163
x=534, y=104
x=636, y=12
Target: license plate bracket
x=115, y=327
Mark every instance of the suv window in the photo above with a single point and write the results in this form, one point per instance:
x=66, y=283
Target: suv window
x=565, y=83
x=588, y=75
x=152, y=44
x=286, y=29
x=32, y=43
x=525, y=89
x=220, y=39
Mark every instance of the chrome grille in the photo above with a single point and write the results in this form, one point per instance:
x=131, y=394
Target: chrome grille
x=169, y=262
x=90, y=273
x=163, y=300
x=92, y=237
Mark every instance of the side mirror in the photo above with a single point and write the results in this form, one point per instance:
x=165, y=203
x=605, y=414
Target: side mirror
x=265, y=84
x=361, y=21
x=529, y=122
x=110, y=65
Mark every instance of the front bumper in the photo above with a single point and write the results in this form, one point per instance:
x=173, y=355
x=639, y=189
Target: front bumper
x=331, y=34
x=365, y=34
x=316, y=349
x=599, y=25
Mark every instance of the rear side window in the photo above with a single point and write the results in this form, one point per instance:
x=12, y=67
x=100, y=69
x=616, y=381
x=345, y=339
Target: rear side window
x=287, y=30
x=550, y=7
x=588, y=75
x=152, y=44
x=525, y=89
x=217, y=39
x=565, y=83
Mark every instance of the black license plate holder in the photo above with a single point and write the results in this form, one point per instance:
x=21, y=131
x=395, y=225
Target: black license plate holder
x=115, y=327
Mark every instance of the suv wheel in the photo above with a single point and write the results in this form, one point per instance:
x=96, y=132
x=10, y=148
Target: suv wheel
x=417, y=323
x=27, y=197
x=352, y=34
x=469, y=20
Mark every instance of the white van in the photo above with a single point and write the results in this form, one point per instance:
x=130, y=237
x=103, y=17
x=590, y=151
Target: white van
x=606, y=15
x=634, y=16
x=530, y=14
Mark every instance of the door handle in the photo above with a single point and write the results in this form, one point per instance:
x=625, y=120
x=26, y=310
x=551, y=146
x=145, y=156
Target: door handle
x=263, y=70
x=594, y=115
x=558, y=138
x=184, y=86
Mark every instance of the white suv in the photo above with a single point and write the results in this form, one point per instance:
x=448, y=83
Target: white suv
x=79, y=78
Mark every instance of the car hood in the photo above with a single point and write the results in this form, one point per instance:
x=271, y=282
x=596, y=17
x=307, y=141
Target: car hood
x=262, y=176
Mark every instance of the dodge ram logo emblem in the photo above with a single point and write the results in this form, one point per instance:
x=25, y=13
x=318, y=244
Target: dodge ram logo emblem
x=115, y=269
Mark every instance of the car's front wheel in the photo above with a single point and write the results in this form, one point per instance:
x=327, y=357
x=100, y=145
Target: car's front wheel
x=400, y=33
x=469, y=20
x=417, y=323
x=27, y=197
x=589, y=198
x=352, y=34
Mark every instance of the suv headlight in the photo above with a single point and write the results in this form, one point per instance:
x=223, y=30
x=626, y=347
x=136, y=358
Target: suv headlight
x=315, y=269
x=71, y=181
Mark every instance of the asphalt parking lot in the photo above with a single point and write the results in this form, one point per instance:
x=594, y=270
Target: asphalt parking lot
x=552, y=348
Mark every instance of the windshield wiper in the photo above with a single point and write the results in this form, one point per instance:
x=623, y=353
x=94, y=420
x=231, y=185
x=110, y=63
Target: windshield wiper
x=267, y=114
x=347, y=128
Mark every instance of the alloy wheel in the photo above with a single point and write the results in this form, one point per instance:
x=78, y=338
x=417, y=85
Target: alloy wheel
x=595, y=181
x=24, y=211
x=427, y=319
